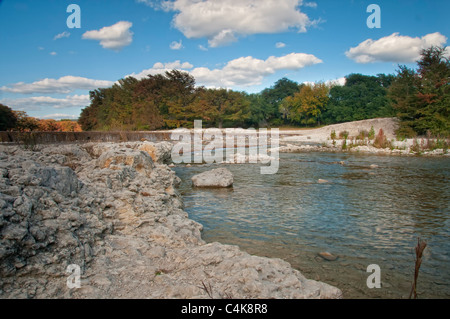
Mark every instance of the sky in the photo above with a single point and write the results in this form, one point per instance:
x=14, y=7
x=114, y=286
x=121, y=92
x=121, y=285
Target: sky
x=52, y=54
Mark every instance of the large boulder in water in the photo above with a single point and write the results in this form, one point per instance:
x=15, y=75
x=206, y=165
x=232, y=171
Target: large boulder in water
x=220, y=177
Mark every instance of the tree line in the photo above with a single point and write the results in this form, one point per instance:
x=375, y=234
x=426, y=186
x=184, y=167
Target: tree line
x=419, y=98
x=20, y=121
x=172, y=100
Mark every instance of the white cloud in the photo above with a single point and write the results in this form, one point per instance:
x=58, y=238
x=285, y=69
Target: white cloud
x=160, y=68
x=53, y=53
x=241, y=72
x=340, y=81
x=224, y=37
x=36, y=102
x=203, y=48
x=310, y=4
x=64, y=85
x=59, y=116
x=150, y=3
x=114, y=37
x=221, y=22
x=280, y=45
x=176, y=45
x=249, y=71
x=335, y=82
x=64, y=34
x=394, y=48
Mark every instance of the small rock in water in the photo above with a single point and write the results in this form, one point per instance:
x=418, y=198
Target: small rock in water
x=322, y=181
x=219, y=177
x=374, y=166
x=327, y=256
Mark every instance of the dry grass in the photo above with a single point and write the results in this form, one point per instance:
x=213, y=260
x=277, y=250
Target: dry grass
x=421, y=245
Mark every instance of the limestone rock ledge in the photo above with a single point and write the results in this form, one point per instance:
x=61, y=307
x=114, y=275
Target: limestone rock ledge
x=113, y=210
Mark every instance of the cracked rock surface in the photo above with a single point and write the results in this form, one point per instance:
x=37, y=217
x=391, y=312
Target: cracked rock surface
x=113, y=209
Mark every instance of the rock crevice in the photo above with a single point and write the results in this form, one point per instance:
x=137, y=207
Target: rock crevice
x=113, y=210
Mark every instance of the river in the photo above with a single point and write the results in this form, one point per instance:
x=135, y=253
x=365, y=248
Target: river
x=363, y=215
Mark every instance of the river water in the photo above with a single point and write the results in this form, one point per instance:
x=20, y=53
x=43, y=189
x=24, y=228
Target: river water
x=363, y=215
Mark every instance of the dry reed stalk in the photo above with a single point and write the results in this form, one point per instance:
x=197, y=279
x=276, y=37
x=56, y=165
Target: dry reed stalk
x=421, y=245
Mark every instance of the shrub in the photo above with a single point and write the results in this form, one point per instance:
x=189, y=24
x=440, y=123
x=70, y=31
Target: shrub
x=381, y=141
x=415, y=147
x=343, y=135
x=371, y=133
x=362, y=135
x=344, y=144
x=333, y=135
x=404, y=132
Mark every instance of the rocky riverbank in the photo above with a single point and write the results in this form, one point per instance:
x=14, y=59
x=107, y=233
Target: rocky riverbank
x=114, y=211
x=357, y=141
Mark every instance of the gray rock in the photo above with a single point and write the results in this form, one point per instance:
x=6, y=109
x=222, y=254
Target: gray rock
x=219, y=177
x=124, y=225
x=160, y=152
x=140, y=161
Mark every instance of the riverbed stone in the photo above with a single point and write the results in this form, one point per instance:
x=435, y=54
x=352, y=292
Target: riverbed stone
x=219, y=177
x=327, y=256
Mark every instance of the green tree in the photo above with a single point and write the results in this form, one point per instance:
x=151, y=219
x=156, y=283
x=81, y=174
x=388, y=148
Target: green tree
x=219, y=106
x=260, y=110
x=273, y=96
x=25, y=123
x=422, y=97
x=7, y=118
x=362, y=97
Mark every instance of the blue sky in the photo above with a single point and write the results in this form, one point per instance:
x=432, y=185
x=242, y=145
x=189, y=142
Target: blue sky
x=47, y=69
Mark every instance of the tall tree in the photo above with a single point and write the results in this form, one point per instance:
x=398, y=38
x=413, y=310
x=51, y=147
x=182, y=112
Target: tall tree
x=422, y=97
x=305, y=107
x=362, y=97
x=7, y=118
x=221, y=105
x=274, y=95
x=25, y=123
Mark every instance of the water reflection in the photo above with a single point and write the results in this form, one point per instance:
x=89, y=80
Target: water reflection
x=363, y=214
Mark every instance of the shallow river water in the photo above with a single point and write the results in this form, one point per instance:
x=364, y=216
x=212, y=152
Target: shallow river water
x=363, y=216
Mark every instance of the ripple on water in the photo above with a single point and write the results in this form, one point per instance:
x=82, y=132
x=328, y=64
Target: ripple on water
x=363, y=215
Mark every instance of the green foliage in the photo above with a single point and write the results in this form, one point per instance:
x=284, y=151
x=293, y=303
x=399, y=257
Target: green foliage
x=422, y=96
x=333, y=135
x=25, y=123
x=363, y=135
x=217, y=106
x=371, y=133
x=362, y=97
x=343, y=135
x=274, y=96
x=7, y=118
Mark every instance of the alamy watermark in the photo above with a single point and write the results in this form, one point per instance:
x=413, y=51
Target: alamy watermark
x=374, y=280
x=74, y=279
x=74, y=20
x=233, y=145
x=374, y=20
